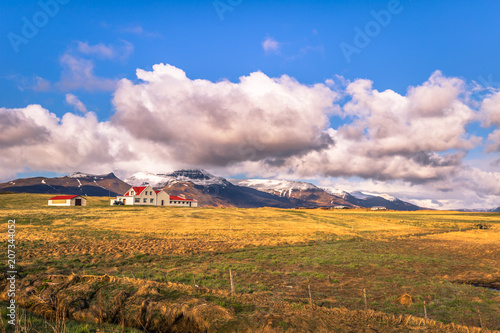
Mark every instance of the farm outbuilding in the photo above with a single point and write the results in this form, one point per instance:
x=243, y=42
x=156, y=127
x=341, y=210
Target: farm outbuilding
x=68, y=200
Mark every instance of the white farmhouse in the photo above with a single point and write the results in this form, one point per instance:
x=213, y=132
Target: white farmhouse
x=138, y=196
x=147, y=196
x=68, y=200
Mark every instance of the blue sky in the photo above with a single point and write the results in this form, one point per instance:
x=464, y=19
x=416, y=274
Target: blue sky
x=226, y=40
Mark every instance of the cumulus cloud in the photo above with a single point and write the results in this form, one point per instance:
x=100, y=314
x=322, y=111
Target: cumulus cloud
x=391, y=136
x=209, y=123
x=491, y=114
x=470, y=188
x=76, y=103
x=270, y=45
x=18, y=129
x=32, y=138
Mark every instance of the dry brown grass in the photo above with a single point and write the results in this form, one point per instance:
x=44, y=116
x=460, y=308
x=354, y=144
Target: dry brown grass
x=169, y=307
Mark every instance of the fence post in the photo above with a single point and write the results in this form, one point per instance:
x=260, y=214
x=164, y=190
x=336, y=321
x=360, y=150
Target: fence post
x=233, y=292
x=364, y=297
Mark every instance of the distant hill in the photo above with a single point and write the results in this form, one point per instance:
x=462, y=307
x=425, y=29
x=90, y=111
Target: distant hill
x=368, y=200
x=77, y=183
x=479, y=210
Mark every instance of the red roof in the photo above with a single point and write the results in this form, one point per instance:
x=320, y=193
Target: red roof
x=173, y=197
x=157, y=191
x=137, y=189
x=64, y=197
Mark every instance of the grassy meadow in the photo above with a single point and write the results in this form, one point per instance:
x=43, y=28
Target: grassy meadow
x=144, y=268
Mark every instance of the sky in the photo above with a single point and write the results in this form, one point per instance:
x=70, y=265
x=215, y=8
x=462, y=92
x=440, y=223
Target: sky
x=398, y=97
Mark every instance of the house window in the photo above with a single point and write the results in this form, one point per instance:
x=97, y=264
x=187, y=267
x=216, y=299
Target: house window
x=145, y=200
x=132, y=193
x=151, y=200
x=137, y=200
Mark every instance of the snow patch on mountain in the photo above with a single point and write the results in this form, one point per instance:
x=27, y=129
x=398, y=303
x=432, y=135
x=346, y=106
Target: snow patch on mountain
x=283, y=188
x=197, y=177
x=367, y=195
x=77, y=175
x=336, y=192
x=143, y=178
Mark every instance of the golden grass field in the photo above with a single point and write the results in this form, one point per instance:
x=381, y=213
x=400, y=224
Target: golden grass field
x=294, y=270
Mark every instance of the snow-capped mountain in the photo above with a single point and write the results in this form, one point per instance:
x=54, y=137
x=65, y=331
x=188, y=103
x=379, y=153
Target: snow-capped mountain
x=370, y=199
x=325, y=197
x=195, y=176
x=294, y=189
x=336, y=192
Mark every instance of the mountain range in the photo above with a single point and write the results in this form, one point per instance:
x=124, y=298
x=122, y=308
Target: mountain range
x=210, y=190
x=76, y=183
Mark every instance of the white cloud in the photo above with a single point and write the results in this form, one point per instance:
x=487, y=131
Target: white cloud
x=106, y=51
x=35, y=83
x=41, y=84
x=78, y=68
x=98, y=49
x=209, y=123
x=74, y=101
x=391, y=136
x=78, y=73
x=140, y=31
x=470, y=188
x=270, y=45
x=491, y=117
x=32, y=138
